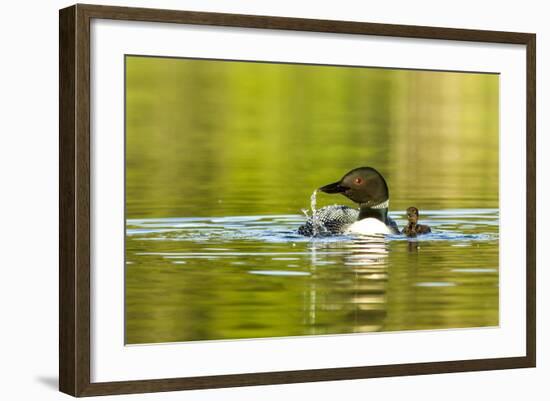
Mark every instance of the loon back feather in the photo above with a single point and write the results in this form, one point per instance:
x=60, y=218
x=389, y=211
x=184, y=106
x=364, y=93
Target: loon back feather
x=331, y=220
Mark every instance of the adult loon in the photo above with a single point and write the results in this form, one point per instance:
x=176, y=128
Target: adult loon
x=364, y=186
x=413, y=228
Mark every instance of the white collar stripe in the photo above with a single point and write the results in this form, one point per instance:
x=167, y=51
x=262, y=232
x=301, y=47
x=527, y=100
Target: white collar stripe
x=383, y=205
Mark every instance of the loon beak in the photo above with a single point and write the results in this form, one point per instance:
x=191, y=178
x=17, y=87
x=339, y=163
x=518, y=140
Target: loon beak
x=334, y=188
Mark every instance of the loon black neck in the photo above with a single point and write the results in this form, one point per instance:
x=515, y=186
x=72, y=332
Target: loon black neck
x=380, y=214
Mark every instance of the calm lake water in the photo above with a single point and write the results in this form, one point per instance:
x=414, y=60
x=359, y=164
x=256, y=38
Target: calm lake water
x=221, y=157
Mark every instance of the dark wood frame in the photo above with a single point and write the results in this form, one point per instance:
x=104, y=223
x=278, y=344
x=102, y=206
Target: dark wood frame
x=74, y=199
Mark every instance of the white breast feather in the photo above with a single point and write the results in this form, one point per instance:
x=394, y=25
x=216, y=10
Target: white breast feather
x=368, y=226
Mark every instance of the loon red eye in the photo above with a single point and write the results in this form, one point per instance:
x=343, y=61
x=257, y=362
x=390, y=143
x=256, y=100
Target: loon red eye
x=358, y=180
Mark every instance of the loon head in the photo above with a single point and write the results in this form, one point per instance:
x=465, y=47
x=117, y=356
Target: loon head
x=363, y=185
x=412, y=215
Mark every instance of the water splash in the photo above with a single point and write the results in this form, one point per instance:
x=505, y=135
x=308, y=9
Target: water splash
x=316, y=224
x=314, y=215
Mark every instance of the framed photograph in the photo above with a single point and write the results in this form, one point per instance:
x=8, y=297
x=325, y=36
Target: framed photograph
x=250, y=200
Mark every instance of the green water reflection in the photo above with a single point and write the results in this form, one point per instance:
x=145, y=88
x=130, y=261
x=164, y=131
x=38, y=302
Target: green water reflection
x=209, y=140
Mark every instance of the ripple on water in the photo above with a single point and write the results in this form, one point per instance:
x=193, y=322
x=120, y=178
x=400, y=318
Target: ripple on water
x=460, y=226
x=435, y=284
x=279, y=273
x=226, y=265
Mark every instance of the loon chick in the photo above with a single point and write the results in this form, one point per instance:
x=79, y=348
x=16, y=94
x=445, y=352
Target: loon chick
x=413, y=228
x=366, y=187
